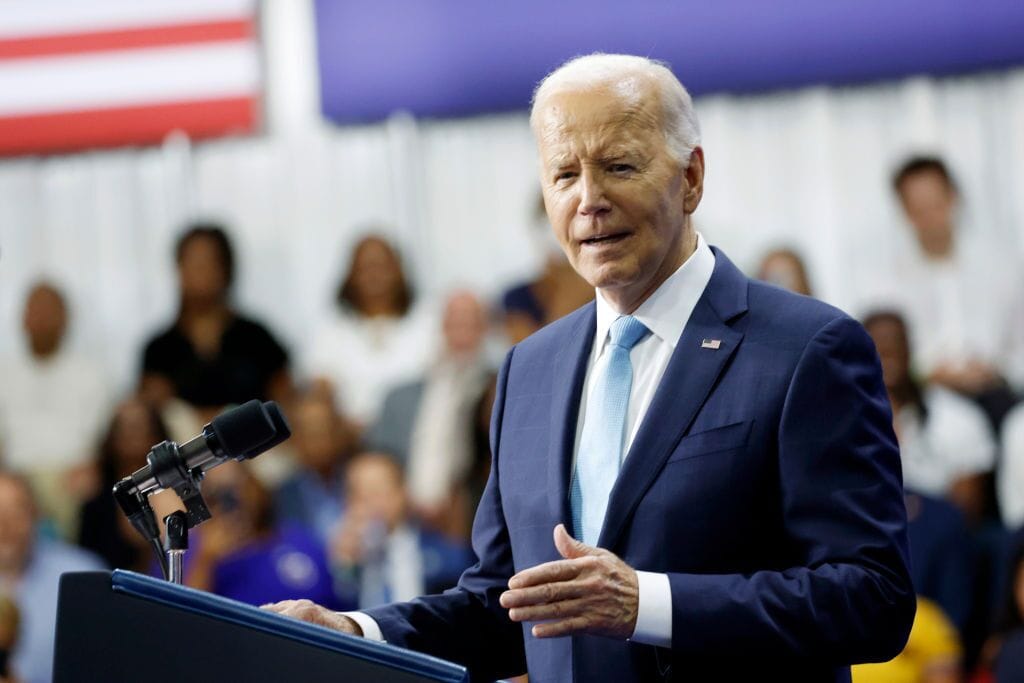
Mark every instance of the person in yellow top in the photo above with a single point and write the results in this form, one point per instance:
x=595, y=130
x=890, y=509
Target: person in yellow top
x=933, y=653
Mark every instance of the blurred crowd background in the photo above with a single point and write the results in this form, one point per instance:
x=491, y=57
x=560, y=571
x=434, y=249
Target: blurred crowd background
x=361, y=238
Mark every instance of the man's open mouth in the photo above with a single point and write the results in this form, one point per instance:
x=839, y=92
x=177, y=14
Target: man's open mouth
x=606, y=239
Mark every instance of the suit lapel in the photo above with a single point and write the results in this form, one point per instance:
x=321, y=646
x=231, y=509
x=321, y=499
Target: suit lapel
x=688, y=380
x=569, y=368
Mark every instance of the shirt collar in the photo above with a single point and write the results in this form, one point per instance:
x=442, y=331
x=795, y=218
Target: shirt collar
x=667, y=310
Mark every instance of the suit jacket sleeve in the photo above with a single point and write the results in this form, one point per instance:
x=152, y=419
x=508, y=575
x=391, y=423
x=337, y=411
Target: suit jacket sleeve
x=467, y=624
x=849, y=598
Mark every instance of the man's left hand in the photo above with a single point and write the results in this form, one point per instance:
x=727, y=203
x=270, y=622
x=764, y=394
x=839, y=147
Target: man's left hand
x=590, y=591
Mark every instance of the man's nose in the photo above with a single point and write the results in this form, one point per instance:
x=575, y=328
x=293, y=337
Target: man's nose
x=592, y=194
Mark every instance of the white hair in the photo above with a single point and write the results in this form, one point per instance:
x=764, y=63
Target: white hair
x=678, y=119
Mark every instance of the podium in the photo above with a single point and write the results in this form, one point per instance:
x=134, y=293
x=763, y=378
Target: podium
x=122, y=626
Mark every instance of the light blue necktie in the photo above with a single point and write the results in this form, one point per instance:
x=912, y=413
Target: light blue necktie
x=600, y=451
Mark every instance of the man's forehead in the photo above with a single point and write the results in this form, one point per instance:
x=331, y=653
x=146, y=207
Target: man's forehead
x=595, y=119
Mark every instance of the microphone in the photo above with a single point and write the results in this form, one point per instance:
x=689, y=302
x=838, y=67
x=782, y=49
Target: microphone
x=241, y=433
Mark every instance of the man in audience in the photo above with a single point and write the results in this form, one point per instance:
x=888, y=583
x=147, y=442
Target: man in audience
x=964, y=298
x=379, y=552
x=429, y=423
x=29, y=571
x=321, y=442
x=52, y=408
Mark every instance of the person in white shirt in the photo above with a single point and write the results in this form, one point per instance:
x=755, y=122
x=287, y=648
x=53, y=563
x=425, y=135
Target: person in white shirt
x=378, y=338
x=1010, y=478
x=963, y=298
x=53, y=407
x=946, y=444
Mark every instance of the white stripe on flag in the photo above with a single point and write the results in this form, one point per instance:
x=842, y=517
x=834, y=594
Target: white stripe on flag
x=30, y=18
x=128, y=77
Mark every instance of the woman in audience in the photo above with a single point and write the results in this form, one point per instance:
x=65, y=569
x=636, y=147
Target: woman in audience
x=378, y=339
x=556, y=292
x=135, y=428
x=212, y=356
x=785, y=268
x=946, y=444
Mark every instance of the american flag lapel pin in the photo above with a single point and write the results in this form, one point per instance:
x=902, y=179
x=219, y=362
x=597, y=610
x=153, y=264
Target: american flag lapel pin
x=714, y=344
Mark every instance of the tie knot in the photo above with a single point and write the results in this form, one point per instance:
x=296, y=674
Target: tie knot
x=626, y=331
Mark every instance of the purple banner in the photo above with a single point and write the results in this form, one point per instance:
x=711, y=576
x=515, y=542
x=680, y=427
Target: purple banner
x=445, y=58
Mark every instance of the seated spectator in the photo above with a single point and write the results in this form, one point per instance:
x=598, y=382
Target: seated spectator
x=946, y=444
x=243, y=554
x=1004, y=654
x=321, y=442
x=52, y=407
x=30, y=568
x=212, y=356
x=429, y=423
x=963, y=297
x=558, y=291
x=378, y=338
x=942, y=556
x=1010, y=480
x=932, y=655
x=785, y=268
x=135, y=428
x=379, y=553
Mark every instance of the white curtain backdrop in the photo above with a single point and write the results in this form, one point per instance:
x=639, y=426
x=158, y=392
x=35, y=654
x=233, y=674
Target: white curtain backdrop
x=807, y=169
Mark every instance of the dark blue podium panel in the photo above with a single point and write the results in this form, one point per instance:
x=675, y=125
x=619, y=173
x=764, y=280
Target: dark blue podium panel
x=128, y=627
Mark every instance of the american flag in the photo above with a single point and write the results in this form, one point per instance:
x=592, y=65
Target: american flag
x=101, y=73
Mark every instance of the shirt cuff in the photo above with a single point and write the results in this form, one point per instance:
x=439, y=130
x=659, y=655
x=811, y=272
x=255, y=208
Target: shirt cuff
x=654, y=612
x=371, y=630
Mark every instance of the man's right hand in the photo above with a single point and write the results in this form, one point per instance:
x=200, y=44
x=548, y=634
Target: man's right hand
x=306, y=610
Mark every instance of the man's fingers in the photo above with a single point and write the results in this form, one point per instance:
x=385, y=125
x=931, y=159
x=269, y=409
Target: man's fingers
x=568, y=547
x=543, y=594
x=563, y=627
x=563, y=609
x=549, y=572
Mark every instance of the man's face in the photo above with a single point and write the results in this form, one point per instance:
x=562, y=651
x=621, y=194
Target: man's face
x=45, y=319
x=465, y=324
x=616, y=198
x=929, y=203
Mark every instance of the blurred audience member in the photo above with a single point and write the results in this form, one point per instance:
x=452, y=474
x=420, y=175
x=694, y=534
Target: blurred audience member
x=964, y=298
x=135, y=428
x=378, y=338
x=212, y=356
x=321, y=442
x=1004, y=654
x=52, y=408
x=429, y=424
x=379, y=552
x=10, y=622
x=785, y=268
x=946, y=444
x=243, y=554
x=942, y=556
x=932, y=654
x=1010, y=481
x=29, y=571
x=558, y=291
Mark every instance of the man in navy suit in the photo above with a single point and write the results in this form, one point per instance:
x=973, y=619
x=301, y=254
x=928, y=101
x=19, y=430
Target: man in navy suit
x=721, y=450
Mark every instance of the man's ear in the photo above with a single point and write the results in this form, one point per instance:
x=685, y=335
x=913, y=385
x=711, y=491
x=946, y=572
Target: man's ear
x=694, y=180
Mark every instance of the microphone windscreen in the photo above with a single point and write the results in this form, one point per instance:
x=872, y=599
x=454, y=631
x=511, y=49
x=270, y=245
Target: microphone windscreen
x=281, y=429
x=244, y=429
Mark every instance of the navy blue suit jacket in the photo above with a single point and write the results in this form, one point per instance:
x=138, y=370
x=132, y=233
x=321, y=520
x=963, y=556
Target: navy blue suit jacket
x=764, y=480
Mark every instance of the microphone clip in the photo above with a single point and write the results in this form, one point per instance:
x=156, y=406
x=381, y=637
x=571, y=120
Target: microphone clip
x=166, y=466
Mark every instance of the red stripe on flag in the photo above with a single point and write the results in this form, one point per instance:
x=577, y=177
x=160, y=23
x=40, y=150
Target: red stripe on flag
x=125, y=39
x=72, y=131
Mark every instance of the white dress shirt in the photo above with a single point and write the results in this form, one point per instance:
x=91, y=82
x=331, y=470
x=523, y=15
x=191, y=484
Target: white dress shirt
x=665, y=313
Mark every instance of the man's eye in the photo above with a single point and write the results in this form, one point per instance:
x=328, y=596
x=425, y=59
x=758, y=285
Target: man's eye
x=621, y=168
x=566, y=175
